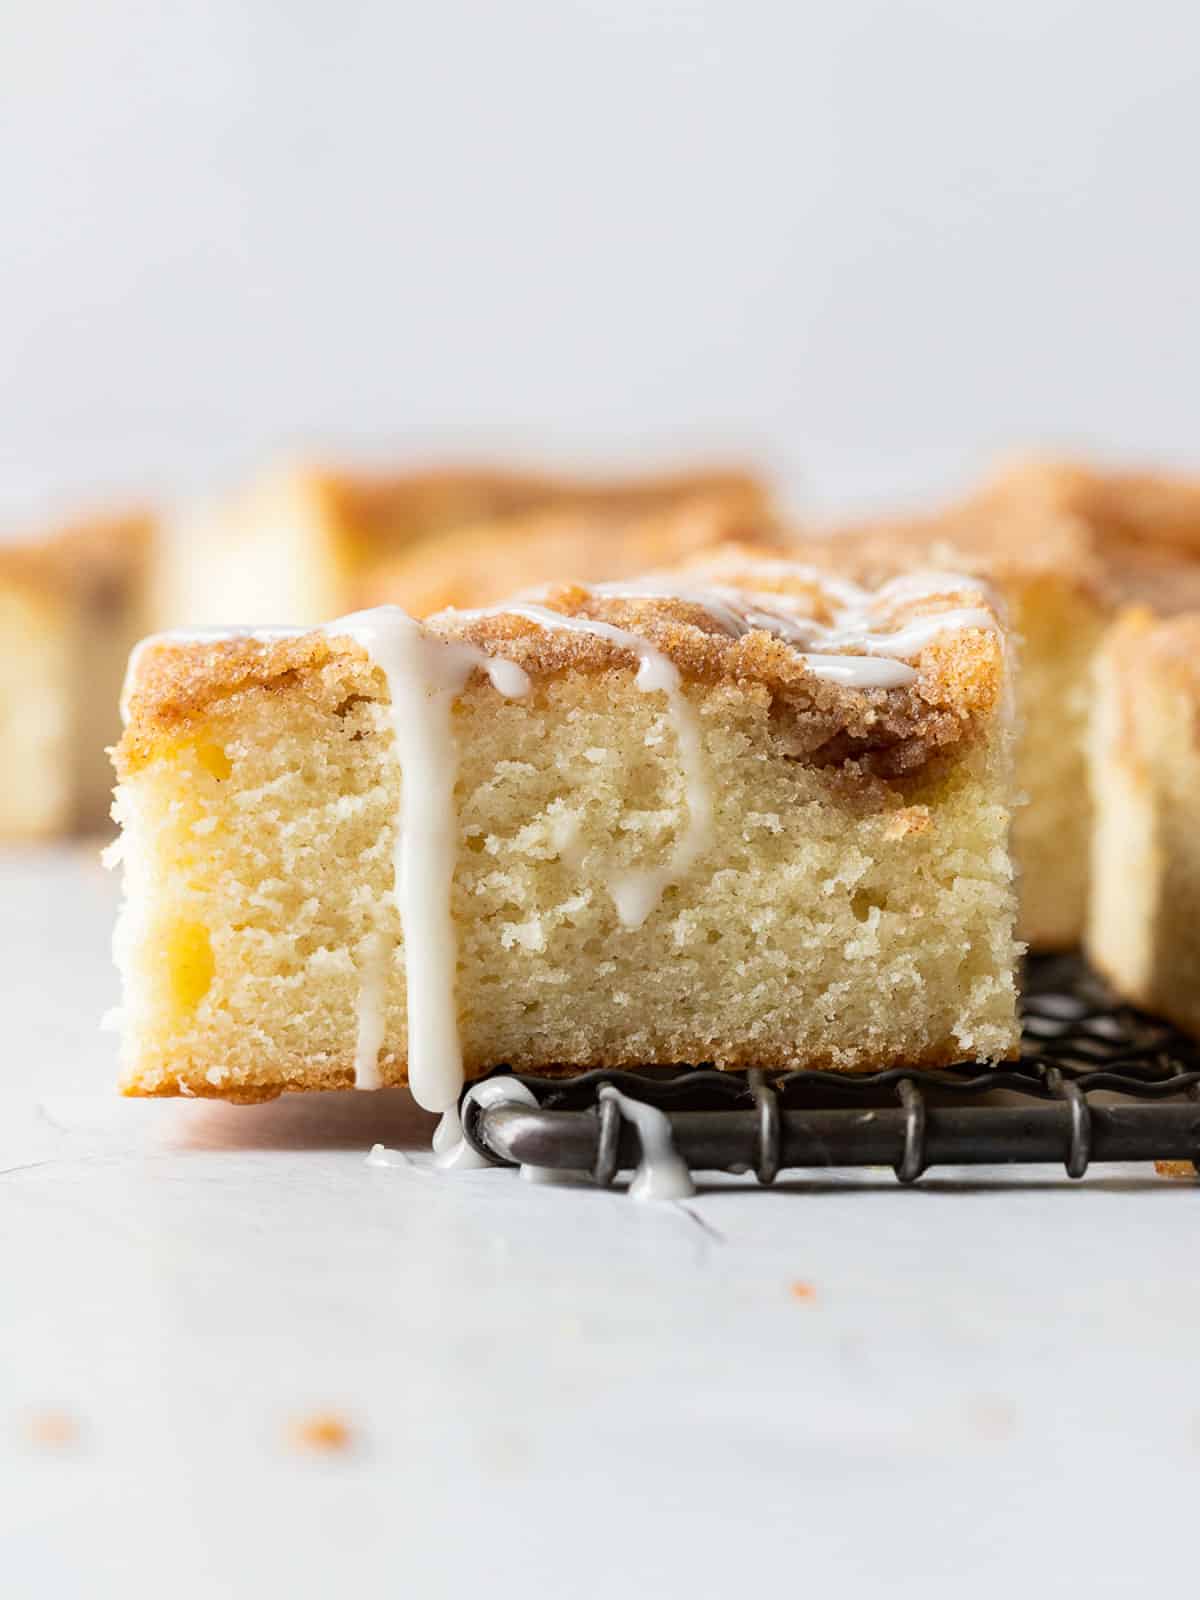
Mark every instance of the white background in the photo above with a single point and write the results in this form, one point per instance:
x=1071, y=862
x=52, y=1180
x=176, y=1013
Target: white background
x=870, y=241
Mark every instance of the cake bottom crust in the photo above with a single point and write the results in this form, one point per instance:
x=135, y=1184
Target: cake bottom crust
x=303, y=1077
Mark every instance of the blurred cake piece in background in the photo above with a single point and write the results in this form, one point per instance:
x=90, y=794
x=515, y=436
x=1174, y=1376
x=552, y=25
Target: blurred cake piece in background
x=480, y=562
x=37, y=636
x=1065, y=545
x=1144, y=526
x=1044, y=567
x=1144, y=924
x=72, y=605
x=304, y=544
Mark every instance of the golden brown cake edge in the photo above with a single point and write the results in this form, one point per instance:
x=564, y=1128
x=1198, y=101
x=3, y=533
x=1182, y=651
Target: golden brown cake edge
x=960, y=682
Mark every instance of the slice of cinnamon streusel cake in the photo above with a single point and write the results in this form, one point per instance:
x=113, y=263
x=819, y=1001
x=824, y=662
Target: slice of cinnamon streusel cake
x=616, y=826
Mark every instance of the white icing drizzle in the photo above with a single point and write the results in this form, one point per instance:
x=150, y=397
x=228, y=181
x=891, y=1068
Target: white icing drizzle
x=908, y=641
x=449, y=1131
x=558, y=1176
x=661, y=1173
x=846, y=592
x=380, y=1156
x=424, y=675
x=839, y=651
x=926, y=583
x=451, y=1149
x=861, y=672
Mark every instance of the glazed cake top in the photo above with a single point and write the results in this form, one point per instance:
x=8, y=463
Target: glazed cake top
x=887, y=677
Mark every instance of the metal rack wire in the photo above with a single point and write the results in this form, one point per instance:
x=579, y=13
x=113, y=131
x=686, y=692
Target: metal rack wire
x=1097, y=1081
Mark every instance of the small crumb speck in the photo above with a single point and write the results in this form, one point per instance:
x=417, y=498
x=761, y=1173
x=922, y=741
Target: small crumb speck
x=800, y=1290
x=992, y=1417
x=53, y=1430
x=324, y=1432
x=1175, y=1169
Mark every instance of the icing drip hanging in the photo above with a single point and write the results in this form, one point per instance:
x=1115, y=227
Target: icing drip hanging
x=424, y=674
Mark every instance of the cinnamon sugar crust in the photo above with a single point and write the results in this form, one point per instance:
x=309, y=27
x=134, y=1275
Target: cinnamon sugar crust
x=1146, y=530
x=1116, y=537
x=1125, y=537
x=996, y=543
x=371, y=511
x=882, y=731
x=1137, y=507
x=483, y=561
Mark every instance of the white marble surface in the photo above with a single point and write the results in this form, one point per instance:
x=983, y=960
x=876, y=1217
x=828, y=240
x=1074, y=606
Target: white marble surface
x=551, y=1391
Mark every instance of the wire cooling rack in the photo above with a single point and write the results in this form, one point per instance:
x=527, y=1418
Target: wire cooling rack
x=1097, y=1081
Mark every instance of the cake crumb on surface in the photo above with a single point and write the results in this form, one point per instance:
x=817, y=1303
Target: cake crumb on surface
x=55, y=1430
x=1175, y=1169
x=992, y=1417
x=800, y=1290
x=324, y=1432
